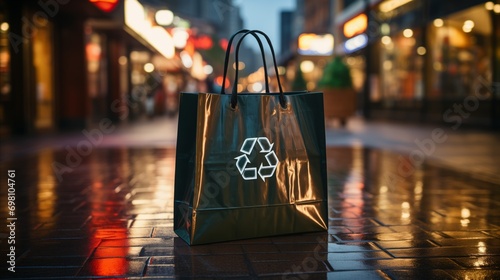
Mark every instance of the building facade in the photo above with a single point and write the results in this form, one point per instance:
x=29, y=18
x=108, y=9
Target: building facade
x=428, y=61
x=67, y=65
x=64, y=63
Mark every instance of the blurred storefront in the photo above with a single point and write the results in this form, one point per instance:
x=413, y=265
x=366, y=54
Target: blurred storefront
x=430, y=61
x=5, y=68
x=74, y=64
x=27, y=68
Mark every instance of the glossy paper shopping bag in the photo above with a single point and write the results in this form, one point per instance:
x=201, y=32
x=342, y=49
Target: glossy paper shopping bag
x=249, y=165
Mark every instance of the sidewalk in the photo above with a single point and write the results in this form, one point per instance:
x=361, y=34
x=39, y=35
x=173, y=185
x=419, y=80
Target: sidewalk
x=470, y=151
x=108, y=214
x=465, y=150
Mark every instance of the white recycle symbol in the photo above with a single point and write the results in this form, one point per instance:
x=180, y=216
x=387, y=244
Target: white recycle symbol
x=264, y=171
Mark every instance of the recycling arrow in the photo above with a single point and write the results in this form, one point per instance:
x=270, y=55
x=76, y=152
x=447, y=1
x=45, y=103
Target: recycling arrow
x=264, y=171
x=265, y=145
x=241, y=162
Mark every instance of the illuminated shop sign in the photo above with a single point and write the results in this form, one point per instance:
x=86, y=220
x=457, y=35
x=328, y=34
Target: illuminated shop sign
x=315, y=44
x=390, y=5
x=356, y=43
x=105, y=5
x=357, y=25
x=156, y=36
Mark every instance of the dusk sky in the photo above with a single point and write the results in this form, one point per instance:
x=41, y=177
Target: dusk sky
x=264, y=15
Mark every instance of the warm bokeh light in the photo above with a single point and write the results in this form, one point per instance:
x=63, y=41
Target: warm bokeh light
x=208, y=69
x=385, y=29
x=408, y=33
x=241, y=65
x=418, y=186
x=496, y=8
x=219, y=80
x=157, y=36
x=122, y=60
x=105, y=5
x=386, y=40
x=164, y=17
x=257, y=87
x=4, y=26
x=149, y=67
x=355, y=26
x=186, y=59
x=315, y=44
x=384, y=189
x=468, y=25
x=387, y=65
x=438, y=22
x=481, y=247
x=390, y=5
x=306, y=66
x=465, y=213
x=281, y=70
x=421, y=50
x=489, y=5
x=180, y=37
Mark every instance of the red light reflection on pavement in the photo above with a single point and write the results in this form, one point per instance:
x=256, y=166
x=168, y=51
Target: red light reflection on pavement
x=107, y=223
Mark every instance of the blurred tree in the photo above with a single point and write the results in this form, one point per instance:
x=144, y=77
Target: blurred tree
x=339, y=97
x=299, y=83
x=336, y=75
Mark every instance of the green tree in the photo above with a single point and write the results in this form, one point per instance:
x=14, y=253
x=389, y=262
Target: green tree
x=299, y=83
x=336, y=75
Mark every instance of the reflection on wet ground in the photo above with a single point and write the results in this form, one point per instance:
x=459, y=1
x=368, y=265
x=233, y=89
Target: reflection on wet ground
x=108, y=213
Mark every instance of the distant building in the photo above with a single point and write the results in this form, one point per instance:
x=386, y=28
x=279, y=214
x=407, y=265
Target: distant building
x=317, y=16
x=286, y=33
x=221, y=13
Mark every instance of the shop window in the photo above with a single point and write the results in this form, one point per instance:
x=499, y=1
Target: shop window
x=5, y=86
x=95, y=49
x=401, y=67
x=43, y=66
x=461, y=54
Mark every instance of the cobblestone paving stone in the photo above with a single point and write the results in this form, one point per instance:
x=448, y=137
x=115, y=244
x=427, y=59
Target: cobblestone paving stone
x=110, y=216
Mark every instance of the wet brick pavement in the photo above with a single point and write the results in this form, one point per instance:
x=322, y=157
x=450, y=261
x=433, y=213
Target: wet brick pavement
x=111, y=217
